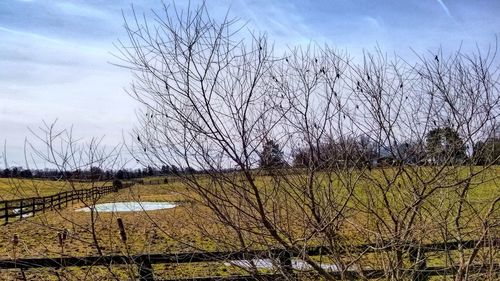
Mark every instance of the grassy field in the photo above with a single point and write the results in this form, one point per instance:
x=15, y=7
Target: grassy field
x=145, y=231
x=24, y=188
x=183, y=228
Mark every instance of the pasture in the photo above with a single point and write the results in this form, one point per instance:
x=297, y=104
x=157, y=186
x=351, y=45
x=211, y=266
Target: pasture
x=14, y=188
x=191, y=227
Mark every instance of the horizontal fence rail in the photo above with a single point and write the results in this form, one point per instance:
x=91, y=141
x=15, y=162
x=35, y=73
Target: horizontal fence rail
x=352, y=275
x=28, y=207
x=282, y=256
x=157, y=181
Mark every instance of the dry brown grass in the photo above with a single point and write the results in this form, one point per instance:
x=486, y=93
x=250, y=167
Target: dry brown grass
x=161, y=231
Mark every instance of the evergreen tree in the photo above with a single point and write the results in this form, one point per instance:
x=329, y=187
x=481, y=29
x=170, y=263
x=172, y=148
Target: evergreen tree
x=445, y=145
x=271, y=155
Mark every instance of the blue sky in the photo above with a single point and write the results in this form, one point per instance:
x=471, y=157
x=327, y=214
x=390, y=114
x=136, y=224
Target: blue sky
x=55, y=54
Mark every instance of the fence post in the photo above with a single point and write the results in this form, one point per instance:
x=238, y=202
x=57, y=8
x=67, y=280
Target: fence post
x=21, y=209
x=285, y=261
x=6, y=206
x=33, y=208
x=145, y=269
x=59, y=200
x=418, y=258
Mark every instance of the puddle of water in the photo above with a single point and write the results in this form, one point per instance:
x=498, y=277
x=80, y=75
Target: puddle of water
x=129, y=206
x=268, y=264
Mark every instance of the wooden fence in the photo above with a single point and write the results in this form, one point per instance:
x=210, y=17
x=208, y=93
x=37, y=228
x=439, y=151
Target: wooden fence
x=283, y=258
x=26, y=207
x=157, y=181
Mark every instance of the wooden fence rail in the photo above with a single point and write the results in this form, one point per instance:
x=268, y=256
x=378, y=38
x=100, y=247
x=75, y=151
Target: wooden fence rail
x=156, y=181
x=27, y=207
x=282, y=256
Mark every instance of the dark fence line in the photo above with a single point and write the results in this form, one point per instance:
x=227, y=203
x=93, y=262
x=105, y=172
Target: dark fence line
x=27, y=207
x=157, y=181
x=283, y=257
x=351, y=275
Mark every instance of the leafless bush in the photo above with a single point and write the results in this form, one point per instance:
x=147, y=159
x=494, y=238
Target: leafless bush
x=79, y=164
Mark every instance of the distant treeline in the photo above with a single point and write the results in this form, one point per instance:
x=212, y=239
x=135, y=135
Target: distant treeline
x=441, y=146
x=94, y=173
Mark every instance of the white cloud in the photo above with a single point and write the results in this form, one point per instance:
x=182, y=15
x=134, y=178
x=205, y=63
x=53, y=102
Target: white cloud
x=42, y=78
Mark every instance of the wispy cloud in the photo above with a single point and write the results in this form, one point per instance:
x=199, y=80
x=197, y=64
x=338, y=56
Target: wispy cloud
x=34, y=36
x=54, y=54
x=445, y=8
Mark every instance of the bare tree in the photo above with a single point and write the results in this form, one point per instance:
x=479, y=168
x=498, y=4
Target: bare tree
x=212, y=94
x=72, y=158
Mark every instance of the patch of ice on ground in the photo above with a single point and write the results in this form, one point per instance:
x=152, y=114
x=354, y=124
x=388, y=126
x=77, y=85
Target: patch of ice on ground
x=129, y=207
x=268, y=264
